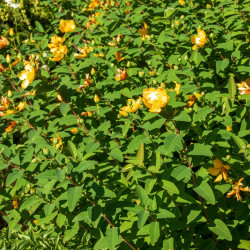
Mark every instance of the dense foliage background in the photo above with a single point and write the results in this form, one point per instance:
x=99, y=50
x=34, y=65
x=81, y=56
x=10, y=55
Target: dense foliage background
x=84, y=167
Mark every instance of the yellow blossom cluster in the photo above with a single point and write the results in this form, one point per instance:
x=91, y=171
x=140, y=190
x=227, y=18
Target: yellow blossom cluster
x=132, y=107
x=57, y=49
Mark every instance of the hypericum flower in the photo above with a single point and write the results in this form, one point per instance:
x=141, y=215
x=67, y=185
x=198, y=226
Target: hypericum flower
x=57, y=48
x=35, y=222
x=229, y=128
x=5, y=102
x=67, y=26
x=27, y=75
x=200, y=39
x=3, y=42
x=244, y=87
x=122, y=75
x=93, y=4
x=92, y=19
x=87, y=80
x=191, y=100
x=10, y=128
x=118, y=57
x=236, y=190
x=15, y=5
x=181, y=2
x=84, y=52
x=57, y=142
x=155, y=99
x=219, y=169
x=144, y=31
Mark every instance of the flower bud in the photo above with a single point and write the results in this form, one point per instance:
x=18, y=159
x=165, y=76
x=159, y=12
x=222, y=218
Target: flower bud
x=10, y=94
x=211, y=35
x=81, y=121
x=11, y=32
x=149, y=62
x=182, y=17
x=186, y=57
x=112, y=65
x=59, y=97
x=176, y=67
x=96, y=99
x=90, y=113
x=92, y=71
x=34, y=160
x=179, y=59
x=172, y=25
x=228, y=157
x=248, y=145
x=163, y=85
x=45, y=151
x=154, y=82
x=8, y=58
x=74, y=130
x=141, y=73
x=93, y=42
x=229, y=128
x=128, y=64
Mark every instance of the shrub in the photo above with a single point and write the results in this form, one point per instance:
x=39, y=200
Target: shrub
x=122, y=125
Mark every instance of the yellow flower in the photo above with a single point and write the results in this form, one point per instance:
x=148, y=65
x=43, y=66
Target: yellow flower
x=219, y=169
x=144, y=31
x=5, y=102
x=208, y=5
x=132, y=107
x=27, y=75
x=21, y=106
x=155, y=99
x=99, y=55
x=35, y=222
x=191, y=100
x=122, y=75
x=93, y=4
x=200, y=39
x=244, y=87
x=118, y=57
x=59, y=97
x=67, y=26
x=57, y=48
x=181, y=2
x=236, y=190
x=177, y=88
x=176, y=22
x=229, y=128
x=11, y=32
x=125, y=110
x=116, y=41
x=58, y=142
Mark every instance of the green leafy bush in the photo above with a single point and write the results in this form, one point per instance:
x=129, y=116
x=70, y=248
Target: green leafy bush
x=127, y=130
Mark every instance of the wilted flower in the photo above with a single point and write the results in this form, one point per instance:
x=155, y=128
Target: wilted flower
x=236, y=190
x=181, y=2
x=116, y=40
x=191, y=100
x=10, y=128
x=144, y=31
x=3, y=42
x=1, y=67
x=4, y=103
x=132, y=106
x=118, y=57
x=67, y=26
x=21, y=106
x=244, y=87
x=84, y=52
x=155, y=99
x=57, y=141
x=27, y=75
x=92, y=19
x=122, y=75
x=15, y=202
x=200, y=39
x=87, y=80
x=177, y=88
x=219, y=169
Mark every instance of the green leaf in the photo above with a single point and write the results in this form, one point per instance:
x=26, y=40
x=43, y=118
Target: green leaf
x=221, y=230
x=74, y=194
x=142, y=194
x=112, y=238
x=170, y=187
x=140, y=154
x=137, y=141
x=231, y=86
x=221, y=65
x=164, y=214
x=142, y=218
x=244, y=244
x=69, y=234
x=172, y=143
x=154, y=232
x=181, y=172
x=72, y=149
x=200, y=149
x=39, y=27
x=117, y=154
x=13, y=177
x=60, y=220
x=64, y=108
x=182, y=116
x=206, y=192
x=85, y=165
